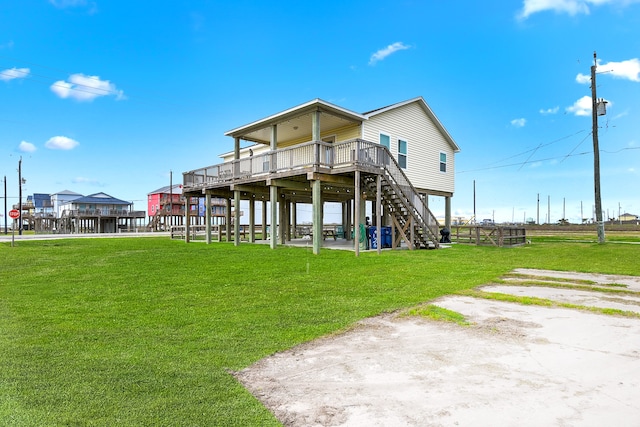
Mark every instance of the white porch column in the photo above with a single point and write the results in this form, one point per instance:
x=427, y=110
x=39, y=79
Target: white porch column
x=315, y=126
x=264, y=220
x=236, y=219
x=447, y=212
x=273, y=196
x=207, y=217
x=227, y=220
x=316, y=194
x=379, y=212
x=294, y=218
x=187, y=220
x=273, y=190
x=252, y=220
x=274, y=137
x=356, y=208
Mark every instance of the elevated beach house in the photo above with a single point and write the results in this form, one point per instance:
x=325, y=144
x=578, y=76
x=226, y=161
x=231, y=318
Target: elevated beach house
x=392, y=157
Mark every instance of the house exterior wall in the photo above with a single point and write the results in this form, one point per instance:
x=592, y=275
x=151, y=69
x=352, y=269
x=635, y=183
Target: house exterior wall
x=424, y=145
x=153, y=203
x=60, y=202
x=342, y=134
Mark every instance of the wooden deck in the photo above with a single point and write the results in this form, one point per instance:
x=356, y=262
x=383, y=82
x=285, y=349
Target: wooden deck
x=317, y=172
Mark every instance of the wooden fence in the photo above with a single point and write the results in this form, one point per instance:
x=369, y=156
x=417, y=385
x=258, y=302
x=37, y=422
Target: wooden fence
x=489, y=235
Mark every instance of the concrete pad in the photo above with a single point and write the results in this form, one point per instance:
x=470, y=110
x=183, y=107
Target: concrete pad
x=572, y=296
x=516, y=365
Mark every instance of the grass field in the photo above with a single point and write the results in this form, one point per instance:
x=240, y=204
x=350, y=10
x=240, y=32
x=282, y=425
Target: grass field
x=140, y=332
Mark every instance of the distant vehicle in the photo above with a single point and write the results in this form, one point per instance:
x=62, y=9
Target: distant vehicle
x=487, y=222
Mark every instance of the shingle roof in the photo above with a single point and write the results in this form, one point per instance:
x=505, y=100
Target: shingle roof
x=177, y=189
x=101, y=198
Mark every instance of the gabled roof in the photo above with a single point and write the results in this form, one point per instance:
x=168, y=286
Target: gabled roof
x=168, y=189
x=67, y=193
x=100, y=198
x=420, y=100
x=298, y=122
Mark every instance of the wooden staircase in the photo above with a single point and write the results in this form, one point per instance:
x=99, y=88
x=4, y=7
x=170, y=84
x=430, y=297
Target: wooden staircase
x=413, y=220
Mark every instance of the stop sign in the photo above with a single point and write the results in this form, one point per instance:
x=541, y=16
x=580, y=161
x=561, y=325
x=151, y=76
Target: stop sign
x=14, y=213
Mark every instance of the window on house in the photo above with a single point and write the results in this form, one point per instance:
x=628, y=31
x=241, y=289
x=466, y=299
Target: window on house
x=385, y=140
x=443, y=162
x=402, y=153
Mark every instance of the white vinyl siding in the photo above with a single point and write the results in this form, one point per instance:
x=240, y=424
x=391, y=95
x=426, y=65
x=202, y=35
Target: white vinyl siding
x=411, y=122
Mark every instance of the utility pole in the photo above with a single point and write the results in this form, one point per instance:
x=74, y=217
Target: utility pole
x=20, y=195
x=538, y=211
x=619, y=213
x=596, y=152
x=548, y=209
x=5, y=204
x=170, y=197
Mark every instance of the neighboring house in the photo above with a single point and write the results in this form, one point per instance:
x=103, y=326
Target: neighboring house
x=98, y=213
x=392, y=157
x=60, y=199
x=42, y=204
x=165, y=207
x=166, y=201
x=628, y=218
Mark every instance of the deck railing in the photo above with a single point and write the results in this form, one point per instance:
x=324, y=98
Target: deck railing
x=309, y=154
x=102, y=212
x=354, y=152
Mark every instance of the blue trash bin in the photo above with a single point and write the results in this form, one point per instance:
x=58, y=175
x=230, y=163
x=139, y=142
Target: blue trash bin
x=373, y=235
x=385, y=239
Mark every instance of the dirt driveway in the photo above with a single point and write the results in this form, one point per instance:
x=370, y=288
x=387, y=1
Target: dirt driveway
x=521, y=365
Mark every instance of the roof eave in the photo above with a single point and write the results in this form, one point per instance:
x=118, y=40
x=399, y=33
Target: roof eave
x=313, y=105
x=429, y=112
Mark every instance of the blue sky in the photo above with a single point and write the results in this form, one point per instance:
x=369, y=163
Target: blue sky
x=109, y=96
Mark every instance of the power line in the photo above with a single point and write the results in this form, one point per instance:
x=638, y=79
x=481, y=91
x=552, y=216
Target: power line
x=527, y=162
x=576, y=147
x=538, y=147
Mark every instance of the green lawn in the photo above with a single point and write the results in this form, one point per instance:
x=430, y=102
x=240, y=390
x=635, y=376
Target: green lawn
x=140, y=332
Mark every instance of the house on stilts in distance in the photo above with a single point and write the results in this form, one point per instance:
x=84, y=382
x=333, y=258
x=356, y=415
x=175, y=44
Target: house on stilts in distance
x=393, y=157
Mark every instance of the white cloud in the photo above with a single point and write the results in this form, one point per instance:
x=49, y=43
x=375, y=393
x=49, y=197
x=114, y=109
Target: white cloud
x=629, y=69
x=89, y=181
x=383, y=53
x=68, y=3
x=583, y=78
x=518, y=122
x=14, y=73
x=571, y=7
x=85, y=88
x=64, y=4
x=548, y=111
x=26, y=147
x=582, y=107
x=61, y=143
